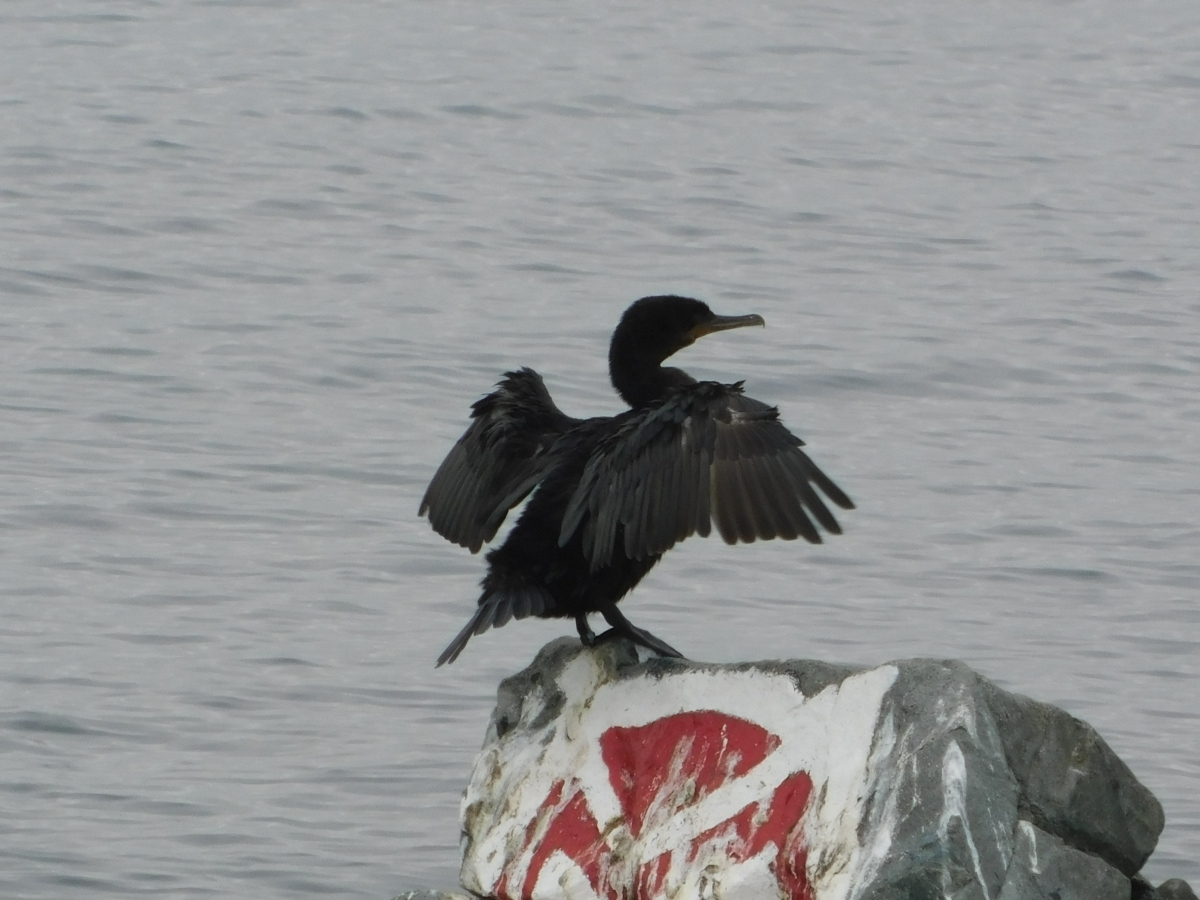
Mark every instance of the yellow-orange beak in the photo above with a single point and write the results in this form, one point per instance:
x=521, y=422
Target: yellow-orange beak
x=724, y=323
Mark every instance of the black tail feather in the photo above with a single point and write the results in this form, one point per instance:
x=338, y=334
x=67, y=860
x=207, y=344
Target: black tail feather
x=495, y=609
x=455, y=647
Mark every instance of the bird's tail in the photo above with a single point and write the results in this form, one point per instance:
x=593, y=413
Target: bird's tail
x=496, y=607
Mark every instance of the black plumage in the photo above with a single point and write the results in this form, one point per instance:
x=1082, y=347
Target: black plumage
x=614, y=494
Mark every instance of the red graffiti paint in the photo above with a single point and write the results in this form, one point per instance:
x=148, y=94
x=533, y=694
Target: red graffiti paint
x=656, y=771
x=572, y=830
x=748, y=833
x=678, y=760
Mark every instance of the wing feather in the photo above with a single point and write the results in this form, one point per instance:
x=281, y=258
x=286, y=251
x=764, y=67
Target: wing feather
x=505, y=452
x=707, y=455
x=685, y=476
x=758, y=483
x=703, y=506
x=783, y=503
x=811, y=499
x=735, y=495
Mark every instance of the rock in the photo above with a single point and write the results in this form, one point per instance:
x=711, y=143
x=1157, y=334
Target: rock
x=1044, y=866
x=603, y=776
x=1072, y=784
x=1175, y=889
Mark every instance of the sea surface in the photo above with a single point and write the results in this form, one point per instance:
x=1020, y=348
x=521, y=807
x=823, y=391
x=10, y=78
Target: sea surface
x=258, y=258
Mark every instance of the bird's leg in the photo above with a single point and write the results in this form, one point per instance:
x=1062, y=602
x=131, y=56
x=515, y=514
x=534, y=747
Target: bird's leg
x=586, y=635
x=621, y=625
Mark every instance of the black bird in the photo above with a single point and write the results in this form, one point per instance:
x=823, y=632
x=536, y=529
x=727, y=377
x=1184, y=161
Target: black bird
x=614, y=494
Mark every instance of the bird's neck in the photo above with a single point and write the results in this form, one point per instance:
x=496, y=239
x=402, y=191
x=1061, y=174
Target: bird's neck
x=645, y=382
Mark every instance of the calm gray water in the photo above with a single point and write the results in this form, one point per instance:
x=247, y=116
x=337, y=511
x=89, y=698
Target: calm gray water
x=257, y=259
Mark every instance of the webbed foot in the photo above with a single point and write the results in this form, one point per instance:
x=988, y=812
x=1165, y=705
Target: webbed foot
x=623, y=627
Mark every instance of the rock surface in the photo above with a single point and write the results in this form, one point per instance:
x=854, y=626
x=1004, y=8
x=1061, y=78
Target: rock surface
x=605, y=777
x=1171, y=889
x=1175, y=889
x=1044, y=866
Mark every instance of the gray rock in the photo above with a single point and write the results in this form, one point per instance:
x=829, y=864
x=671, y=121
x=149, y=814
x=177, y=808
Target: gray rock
x=1044, y=867
x=949, y=800
x=1072, y=784
x=1175, y=889
x=605, y=776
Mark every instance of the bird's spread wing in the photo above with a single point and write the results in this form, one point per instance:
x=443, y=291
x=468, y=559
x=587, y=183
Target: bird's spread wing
x=501, y=458
x=707, y=454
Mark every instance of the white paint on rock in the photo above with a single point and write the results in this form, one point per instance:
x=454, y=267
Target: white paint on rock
x=830, y=736
x=954, y=806
x=882, y=785
x=562, y=879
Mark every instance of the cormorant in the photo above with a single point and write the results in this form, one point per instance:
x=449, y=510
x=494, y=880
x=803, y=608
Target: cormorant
x=615, y=493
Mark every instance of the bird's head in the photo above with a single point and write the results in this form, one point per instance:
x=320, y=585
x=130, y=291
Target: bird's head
x=651, y=330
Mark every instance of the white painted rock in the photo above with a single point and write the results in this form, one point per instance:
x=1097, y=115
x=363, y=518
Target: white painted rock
x=603, y=777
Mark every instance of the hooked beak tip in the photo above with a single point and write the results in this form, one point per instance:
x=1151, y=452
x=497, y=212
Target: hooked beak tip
x=725, y=323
